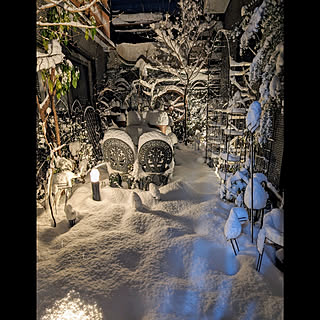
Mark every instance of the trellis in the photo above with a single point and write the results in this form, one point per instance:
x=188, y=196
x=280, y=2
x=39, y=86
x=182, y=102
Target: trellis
x=92, y=122
x=225, y=127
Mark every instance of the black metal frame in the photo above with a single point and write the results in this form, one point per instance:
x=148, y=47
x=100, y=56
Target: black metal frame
x=260, y=256
x=235, y=240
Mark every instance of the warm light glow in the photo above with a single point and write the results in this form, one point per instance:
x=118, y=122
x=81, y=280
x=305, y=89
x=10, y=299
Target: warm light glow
x=72, y=307
x=94, y=175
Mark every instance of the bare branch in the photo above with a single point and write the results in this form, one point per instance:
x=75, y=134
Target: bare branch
x=72, y=8
x=70, y=24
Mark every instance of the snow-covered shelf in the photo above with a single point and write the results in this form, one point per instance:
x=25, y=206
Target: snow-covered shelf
x=236, y=117
x=233, y=132
x=229, y=157
x=221, y=110
x=215, y=141
x=214, y=124
x=236, y=111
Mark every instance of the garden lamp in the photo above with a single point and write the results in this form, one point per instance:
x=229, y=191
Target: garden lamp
x=94, y=176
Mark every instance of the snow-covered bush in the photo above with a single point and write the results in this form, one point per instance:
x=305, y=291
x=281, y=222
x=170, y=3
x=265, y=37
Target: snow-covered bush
x=78, y=149
x=182, y=52
x=261, y=36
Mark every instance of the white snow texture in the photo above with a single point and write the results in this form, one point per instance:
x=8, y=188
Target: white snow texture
x=132, y=256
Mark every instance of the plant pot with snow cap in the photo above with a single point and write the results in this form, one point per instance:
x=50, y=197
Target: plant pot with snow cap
x=159, y=120
x=260, y=198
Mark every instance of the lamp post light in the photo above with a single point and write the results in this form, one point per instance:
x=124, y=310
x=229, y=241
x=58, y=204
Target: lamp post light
x=94, y=176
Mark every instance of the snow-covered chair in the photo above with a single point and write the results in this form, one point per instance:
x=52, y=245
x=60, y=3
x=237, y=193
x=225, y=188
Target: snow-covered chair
x=271, y=233
x=155, y=156
x=119, y=154
x=232, y=228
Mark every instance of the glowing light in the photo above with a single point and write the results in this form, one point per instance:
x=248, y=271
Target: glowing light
x=94, y=175
x=71, y=307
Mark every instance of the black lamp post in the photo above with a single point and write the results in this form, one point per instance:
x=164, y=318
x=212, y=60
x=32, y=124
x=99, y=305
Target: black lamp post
x=95, y=184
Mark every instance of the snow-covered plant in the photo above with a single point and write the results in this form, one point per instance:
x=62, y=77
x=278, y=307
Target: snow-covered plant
x=265, y=31
x=182, y=51
x=262, y=36
x=266, y=125
x=55, y=20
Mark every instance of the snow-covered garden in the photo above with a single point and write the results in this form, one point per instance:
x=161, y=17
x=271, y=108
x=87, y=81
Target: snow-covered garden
x=130, y=256
x=154, y=199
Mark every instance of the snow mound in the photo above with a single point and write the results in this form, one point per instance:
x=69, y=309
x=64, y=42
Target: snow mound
x=260, y=197
x=178, y=190
x=132, y=256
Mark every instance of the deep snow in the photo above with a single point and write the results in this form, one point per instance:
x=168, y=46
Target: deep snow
x=166, y=259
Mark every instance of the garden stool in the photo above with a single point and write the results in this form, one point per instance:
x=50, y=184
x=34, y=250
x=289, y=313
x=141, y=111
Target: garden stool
x=271, y=233
x=232, y=228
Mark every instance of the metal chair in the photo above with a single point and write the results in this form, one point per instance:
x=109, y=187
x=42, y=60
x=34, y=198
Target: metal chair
x=155, y=156
x=119, y=154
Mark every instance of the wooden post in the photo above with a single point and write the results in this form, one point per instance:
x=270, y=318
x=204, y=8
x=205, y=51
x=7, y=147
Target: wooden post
x=51, y=97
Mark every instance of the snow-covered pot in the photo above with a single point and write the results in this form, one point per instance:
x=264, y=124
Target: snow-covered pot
x=259, y=176
x=253, y=116
x=232, y=228
x=135, y=201
x=158, y=118
x=259, y=195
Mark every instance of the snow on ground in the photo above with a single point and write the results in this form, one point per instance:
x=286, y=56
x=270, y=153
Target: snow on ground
x=167, y=259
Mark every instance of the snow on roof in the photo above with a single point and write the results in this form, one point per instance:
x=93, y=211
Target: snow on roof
x=216, y=6
x=132, y=51
x=136, y=18
x=50, y=59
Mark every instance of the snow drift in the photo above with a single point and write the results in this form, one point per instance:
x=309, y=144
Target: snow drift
x=130, y=256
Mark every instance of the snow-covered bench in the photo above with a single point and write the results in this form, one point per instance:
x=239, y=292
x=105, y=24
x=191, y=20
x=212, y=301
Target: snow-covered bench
x=120, y=155
x=155, y=157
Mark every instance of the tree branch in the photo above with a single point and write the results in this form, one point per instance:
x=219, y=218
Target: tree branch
x=72, y=9
x=70, y=24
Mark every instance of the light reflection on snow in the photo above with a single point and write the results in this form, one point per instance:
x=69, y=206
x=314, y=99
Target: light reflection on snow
x=71, y=307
